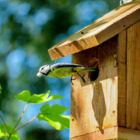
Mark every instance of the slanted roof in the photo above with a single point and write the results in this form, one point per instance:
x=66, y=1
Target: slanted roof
x=99, y=31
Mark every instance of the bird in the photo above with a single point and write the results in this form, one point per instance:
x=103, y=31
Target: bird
x=62, y=70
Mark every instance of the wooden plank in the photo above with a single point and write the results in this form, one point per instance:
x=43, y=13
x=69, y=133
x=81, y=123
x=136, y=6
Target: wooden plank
x=108, y=82
x=94, y=104
x=99, y=31
x=128, y=134
x=109, y=133
x=138, y=78
x=133, y=76
x=122, y=78
x=82, y=115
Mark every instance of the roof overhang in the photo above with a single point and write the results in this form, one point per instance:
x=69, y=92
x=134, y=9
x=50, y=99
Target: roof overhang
x=99, y=31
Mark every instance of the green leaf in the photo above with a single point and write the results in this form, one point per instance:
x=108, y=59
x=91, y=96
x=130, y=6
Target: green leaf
x=0, y=89
x=53, y=117
x=55, y=109
x=4, y=132
x=54, y=97
x=26, y=96
x=23, y=96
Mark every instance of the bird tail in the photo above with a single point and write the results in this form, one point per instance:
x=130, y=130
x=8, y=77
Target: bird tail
x=86, y=68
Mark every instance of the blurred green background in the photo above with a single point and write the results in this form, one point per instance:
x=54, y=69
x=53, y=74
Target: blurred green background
x=28, y=28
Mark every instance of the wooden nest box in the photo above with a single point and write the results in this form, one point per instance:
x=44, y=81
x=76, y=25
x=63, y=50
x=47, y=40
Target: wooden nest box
x=109, y=107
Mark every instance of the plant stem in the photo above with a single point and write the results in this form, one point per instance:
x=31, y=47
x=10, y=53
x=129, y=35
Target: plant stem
x=21, y=116
x=25, y=124
x=18, y=121
x=5, y=131
x=4, y=123
x=22, y=126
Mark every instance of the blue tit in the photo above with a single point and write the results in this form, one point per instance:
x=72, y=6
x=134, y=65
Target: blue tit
x=62, y=70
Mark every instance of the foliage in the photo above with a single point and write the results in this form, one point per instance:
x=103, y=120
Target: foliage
x=37, y=133
x=25, y=96
x=28, y=29
x=0, y=89
x=6, y=130
x=50, y=114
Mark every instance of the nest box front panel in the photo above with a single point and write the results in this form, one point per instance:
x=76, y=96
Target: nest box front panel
x=94, y=103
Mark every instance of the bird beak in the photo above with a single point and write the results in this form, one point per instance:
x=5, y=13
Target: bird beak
x=39, y=74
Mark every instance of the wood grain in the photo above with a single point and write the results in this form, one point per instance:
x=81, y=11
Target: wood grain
x=122, y=78
x=109, y=133
x=94, y=104
x=133, y=77
x=128, y=134
x=99, y=31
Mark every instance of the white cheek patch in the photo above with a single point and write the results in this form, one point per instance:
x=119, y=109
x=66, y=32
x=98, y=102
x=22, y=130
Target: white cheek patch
x=43, y=70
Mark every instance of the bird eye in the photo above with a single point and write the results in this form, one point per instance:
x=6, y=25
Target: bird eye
x=42, y=68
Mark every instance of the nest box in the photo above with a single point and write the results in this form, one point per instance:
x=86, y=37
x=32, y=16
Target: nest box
x=109, y=107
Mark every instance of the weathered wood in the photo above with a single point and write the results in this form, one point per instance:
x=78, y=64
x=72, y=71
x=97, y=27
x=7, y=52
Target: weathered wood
x=99, y=31
x=133, y=77
x=122, y=78
x=128, y=134
x=136, y=41
x=94, y=104
x=114, y=98
x=109, y=133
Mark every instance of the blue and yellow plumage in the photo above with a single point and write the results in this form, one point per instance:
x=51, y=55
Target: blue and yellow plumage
x=62, y=70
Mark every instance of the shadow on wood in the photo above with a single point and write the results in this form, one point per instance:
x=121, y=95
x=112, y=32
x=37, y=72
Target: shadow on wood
x=99, y=106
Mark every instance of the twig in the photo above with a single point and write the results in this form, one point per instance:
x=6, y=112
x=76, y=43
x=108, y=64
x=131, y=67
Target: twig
x=5, y=123
x=22, y=126
x=25, y=124
x=5, y=131
x=18, y=121
x=21, y=116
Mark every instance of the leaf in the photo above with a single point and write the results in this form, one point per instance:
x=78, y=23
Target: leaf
x=55, y=109
x=0, y=89
x=53, y=117
x=54, y=97
x=26, y=96
x=4, y=132
x=23, y=96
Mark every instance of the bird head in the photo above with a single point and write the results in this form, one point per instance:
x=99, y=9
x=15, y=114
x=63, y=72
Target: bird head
x=43, y=70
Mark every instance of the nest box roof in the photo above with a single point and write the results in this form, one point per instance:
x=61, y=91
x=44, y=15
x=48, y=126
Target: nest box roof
x=99, y=31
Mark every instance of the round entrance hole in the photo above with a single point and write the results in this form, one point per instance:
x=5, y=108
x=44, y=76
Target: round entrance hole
x=94, y=75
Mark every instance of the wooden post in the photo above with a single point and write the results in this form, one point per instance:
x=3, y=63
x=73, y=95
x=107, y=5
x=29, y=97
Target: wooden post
x=133, y=77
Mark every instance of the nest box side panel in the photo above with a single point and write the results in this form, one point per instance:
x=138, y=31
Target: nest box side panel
x=133, y=77
x=122, y=78
x=94, y=103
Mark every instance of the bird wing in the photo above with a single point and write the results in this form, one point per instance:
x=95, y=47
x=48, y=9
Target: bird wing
x=60, y=65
